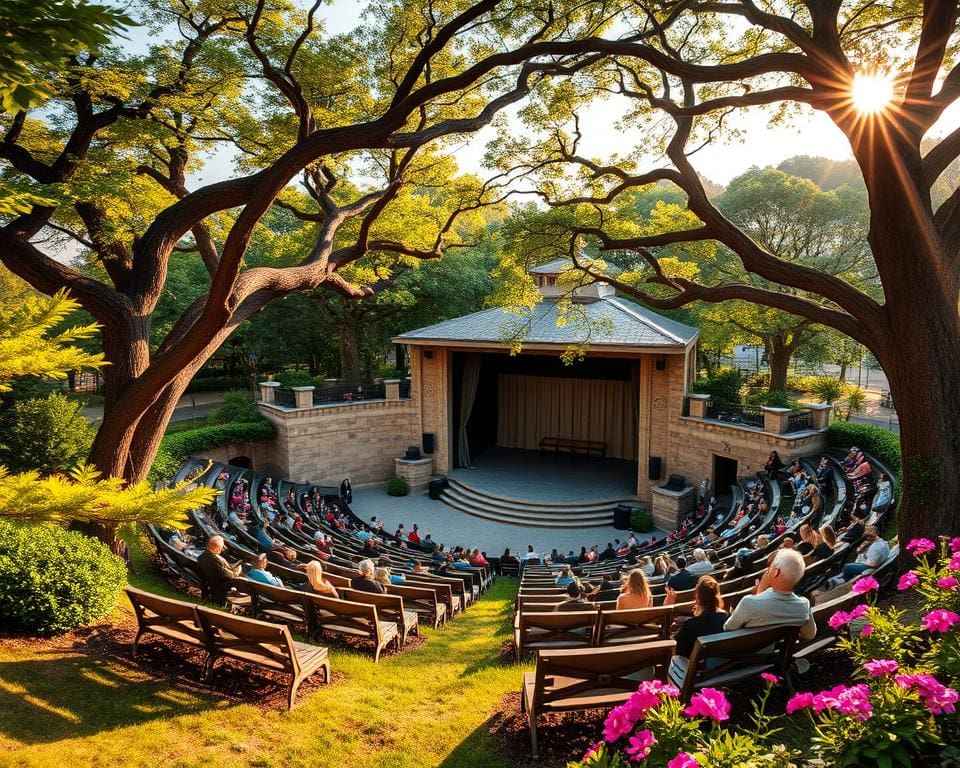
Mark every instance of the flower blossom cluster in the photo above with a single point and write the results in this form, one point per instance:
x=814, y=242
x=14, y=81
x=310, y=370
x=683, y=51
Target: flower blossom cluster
x=918, y=547
x=937, y=697
x=878, y=667
x=683, y=760
x=640, y=745
x=909, y=579
x=710, y=702
x=842, y=618
x=864, y=585
x=851, y=700
x=622, y=719
x=939, y=620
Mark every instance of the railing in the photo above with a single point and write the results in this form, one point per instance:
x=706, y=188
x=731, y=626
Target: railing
x=745, y=415
x=285, y=397
x=798, y=422
x=349, y=393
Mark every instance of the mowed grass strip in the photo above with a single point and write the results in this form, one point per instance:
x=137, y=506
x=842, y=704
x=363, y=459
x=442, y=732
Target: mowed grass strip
x=64, y=708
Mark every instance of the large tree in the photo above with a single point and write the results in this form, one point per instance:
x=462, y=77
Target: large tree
x=118, y=147
x=712, y=59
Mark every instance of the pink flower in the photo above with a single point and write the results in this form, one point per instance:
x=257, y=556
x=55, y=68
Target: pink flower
x=859, y=611
x=955, y=544
x=618, y=723
x=954, y=564
x=592, y=751
x=878, y=667
x=948, y=582
x=864, y=585
x=711, y=703
x=683, y=760
x=839, y=619
x=909, y=579
x=772, y=679
x=918, y=547
x=935, y=695
x=640, y=745
x=939, y=620
x=658, y=687
x=853, y=701
x=867, y=630
x=799, y=701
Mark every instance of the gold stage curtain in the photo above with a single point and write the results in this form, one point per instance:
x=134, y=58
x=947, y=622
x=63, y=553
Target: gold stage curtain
x=534, y=407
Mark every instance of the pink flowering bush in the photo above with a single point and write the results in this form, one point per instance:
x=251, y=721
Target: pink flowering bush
x=654, y=729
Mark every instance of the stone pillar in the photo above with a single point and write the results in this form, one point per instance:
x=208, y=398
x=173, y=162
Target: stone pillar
x=775, y=419
x=820, y=414
x=303, y=396
x=392, y=387
x=268, y=391
x=417, y=472
x=670, y=507
x=698, y=405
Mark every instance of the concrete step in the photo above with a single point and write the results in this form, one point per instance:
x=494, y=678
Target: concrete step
x=485, y=497
x=498, y=506
x=533, y=518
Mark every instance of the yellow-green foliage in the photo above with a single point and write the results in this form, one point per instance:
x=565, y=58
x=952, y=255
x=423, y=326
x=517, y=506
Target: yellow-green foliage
x=84, y=496
x=27, y=343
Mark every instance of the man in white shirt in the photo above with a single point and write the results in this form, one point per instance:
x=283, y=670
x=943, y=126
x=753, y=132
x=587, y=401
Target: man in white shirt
x=774, y=602
x=701, y=564
x=884, y=494
x=870, y=554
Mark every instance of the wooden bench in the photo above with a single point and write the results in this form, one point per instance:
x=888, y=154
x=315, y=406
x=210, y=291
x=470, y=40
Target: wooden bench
x=637, y=625
x=573, y=446
x=423, y=600
x=173, y=619
x=729, y=657
x=592, y=678
x=351, y=619
x=389, y=608
x=556, y=629
x=262, y=644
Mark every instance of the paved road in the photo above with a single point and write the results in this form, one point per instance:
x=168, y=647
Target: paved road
x=193, y=406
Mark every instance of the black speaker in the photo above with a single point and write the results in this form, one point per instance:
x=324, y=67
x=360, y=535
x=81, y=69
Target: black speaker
x=436, y=486
x=676, y=483
x=661, y=364
x=654, y=468
x=621, y=517
x=429, y=442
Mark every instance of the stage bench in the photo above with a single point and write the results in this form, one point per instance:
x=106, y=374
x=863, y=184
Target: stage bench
x=587, y=447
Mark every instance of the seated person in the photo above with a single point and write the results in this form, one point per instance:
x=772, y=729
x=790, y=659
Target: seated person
x=646, y=565
x=365, y=581
x=824, y=541
x=681, y=581
x=884, y=494
x=609, y=553
x=742, y=566
x=477, y=560
x=259, y=572
x=700, y=566
x=508, y=558
x=870, y=554
x=774, y=602
x=805, y=547
x=315, y=581
x=607, y=590
x=565, y=577
x=855, y=530
x=635, y=592
x=576, y=601
x=216, y=570
x=414, y=536
x=284, y=556
x=708, y=619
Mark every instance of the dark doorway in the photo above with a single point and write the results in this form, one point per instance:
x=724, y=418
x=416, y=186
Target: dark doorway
x=241, y=461
x=724, y=475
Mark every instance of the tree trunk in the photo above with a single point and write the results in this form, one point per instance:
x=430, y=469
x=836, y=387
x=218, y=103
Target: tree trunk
x=349, y=354
x=843, y=371
x=778, y=358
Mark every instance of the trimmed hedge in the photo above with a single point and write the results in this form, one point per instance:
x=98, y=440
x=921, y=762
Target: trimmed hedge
x=217, y=383
x=641, y=520
x=54, y=580
x=722, y=388
x=398, y=487
x=880, y=443
x=176, y=447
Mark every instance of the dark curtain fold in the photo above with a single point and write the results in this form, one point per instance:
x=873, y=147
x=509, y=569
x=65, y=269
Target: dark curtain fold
x=468, y=393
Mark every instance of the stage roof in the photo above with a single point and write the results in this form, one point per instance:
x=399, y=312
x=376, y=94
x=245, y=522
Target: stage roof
x=607, y=323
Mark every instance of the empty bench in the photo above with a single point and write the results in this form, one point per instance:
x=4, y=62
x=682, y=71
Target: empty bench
x=224, y=635
x=573, y=446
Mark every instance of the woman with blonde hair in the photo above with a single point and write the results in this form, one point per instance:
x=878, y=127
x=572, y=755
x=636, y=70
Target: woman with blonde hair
x=635, y=592
x=823, y=543
x=708, y=619
x=315, y=581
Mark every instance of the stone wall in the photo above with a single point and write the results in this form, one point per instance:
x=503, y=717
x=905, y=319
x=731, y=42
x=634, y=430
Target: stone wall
x=430, y=369
x=328, y=443
x=260, y=453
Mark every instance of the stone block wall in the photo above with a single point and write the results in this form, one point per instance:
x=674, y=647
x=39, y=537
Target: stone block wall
x=329, y=443
x=260, y=453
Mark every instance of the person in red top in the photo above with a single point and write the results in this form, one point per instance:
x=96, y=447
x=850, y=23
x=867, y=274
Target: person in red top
x=477, y=559
x=414, y=536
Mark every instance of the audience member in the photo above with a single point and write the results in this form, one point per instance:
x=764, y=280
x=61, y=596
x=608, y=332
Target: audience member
x=575, y=599
x=774, y=602
x=216, y=570
x=259, y=572
x=365, y=581
x=708, y=619
x=635, y=592
x=315, y=581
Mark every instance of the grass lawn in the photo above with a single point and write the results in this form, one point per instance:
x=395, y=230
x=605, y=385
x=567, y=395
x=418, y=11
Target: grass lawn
x=63, y=706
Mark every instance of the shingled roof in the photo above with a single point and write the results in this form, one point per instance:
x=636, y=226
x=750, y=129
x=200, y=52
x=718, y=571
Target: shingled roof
x=607, y=322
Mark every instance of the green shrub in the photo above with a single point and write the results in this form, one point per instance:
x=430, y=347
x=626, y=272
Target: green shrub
x=174, y=448
x=722, y=388
x=800, y=383
x=296, y=379
x=827, y=388
x=398, y=487
x=880, y=443
x=775, y=398
x=54, y=580
x=237, y=407
x=45, y=434
x=641, y=520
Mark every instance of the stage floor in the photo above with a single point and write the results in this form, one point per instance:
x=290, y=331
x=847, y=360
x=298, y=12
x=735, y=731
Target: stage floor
x=519, y=475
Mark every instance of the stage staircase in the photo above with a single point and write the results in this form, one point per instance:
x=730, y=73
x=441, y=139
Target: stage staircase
x=539, y=514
